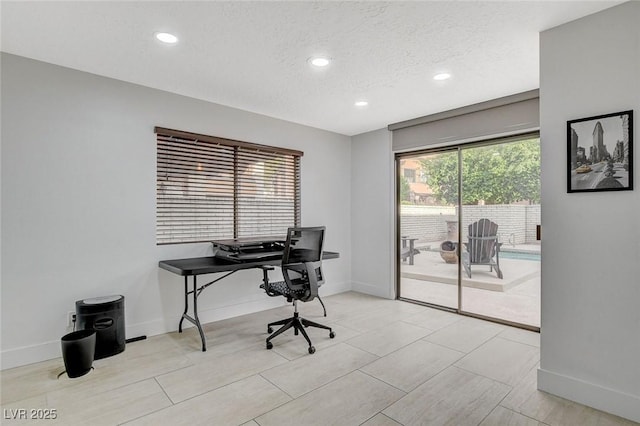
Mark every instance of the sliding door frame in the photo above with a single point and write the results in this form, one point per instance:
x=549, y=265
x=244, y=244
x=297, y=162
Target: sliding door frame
x=457, y=147
x=409, y=154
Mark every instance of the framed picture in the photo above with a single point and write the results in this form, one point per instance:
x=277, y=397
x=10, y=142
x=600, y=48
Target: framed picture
x=600, y=153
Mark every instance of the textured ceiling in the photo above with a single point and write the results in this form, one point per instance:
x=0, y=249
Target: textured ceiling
x=253, y=55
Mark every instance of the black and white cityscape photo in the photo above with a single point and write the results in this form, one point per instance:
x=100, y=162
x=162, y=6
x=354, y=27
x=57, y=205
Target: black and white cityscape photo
x=601, y=153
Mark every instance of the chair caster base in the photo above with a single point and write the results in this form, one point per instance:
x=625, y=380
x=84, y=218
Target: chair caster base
x=269, y=330
x=332, y=335
x=312, y=349
x=269, y=345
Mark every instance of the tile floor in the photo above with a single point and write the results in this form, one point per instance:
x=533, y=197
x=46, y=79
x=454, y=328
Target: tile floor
x=391, y=363
x=516, y=298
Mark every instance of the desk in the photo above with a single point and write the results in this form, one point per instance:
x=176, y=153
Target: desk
x=210, y=265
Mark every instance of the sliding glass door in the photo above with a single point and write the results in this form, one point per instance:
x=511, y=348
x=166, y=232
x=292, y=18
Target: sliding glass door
x=427, y=219
x=500, y=213
x=468, y=219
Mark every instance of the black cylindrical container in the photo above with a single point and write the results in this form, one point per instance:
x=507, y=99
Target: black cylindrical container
x=104, y=315
x=78, y=351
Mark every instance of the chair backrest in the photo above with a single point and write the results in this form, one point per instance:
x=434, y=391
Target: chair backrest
x=303, y=245
x=303, y=256
x=483, y=237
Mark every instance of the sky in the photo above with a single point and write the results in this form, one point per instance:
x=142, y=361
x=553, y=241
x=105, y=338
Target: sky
x=612, y=127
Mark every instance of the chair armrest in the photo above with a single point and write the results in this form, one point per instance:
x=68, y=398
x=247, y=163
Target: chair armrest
x=265, y=279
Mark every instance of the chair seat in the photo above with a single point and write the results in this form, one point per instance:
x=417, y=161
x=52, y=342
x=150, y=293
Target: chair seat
x=280, y=288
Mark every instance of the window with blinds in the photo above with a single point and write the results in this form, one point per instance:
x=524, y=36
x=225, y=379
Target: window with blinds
x=211, y=188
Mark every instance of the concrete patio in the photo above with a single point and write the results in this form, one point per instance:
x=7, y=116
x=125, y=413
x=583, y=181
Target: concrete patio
x=515, y=298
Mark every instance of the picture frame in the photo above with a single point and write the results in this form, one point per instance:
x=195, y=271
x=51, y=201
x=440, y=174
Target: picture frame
x=600, y=153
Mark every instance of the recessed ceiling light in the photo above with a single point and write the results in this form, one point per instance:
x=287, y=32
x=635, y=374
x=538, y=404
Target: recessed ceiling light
x=319, y=61
x=361, y=103
x=167, y=38
x=442, y=76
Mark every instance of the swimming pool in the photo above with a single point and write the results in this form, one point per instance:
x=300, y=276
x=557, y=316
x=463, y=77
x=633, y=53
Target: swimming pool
x=519, y=255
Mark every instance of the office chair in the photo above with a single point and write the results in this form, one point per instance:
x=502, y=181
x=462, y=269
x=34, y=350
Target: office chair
x=302, y=273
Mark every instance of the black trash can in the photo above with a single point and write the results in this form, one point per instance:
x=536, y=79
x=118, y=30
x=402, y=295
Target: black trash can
x=104, y=315
x=77, y=352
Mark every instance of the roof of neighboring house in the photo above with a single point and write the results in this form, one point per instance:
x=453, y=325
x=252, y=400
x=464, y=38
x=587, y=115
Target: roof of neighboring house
x=420, y=188
x=410, y=163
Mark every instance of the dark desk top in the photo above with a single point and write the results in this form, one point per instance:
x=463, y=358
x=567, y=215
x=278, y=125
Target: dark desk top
x=211, y=264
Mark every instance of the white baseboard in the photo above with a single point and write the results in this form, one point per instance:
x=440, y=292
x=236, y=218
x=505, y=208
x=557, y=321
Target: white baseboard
x=150, y=328
x=24, y=355
x=31, y=354
x=334, y=288
x=230, y=311
x=50, y=350
x=590, y=394
x=386, y=292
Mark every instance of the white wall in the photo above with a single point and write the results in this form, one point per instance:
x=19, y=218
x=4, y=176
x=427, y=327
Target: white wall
x=372, y=205
x=78, y=198
x=590, y=350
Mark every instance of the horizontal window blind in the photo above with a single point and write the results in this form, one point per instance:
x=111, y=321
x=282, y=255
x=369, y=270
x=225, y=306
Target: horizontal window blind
x=211, y=188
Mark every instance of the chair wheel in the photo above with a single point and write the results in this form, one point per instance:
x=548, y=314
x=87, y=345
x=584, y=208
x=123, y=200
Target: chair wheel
x=332, y=335
x=269, y=345
x=269, y=330
x=311, y=349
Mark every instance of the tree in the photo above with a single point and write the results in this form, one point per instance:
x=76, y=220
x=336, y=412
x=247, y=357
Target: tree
x=405, y=189
x=497, y=174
